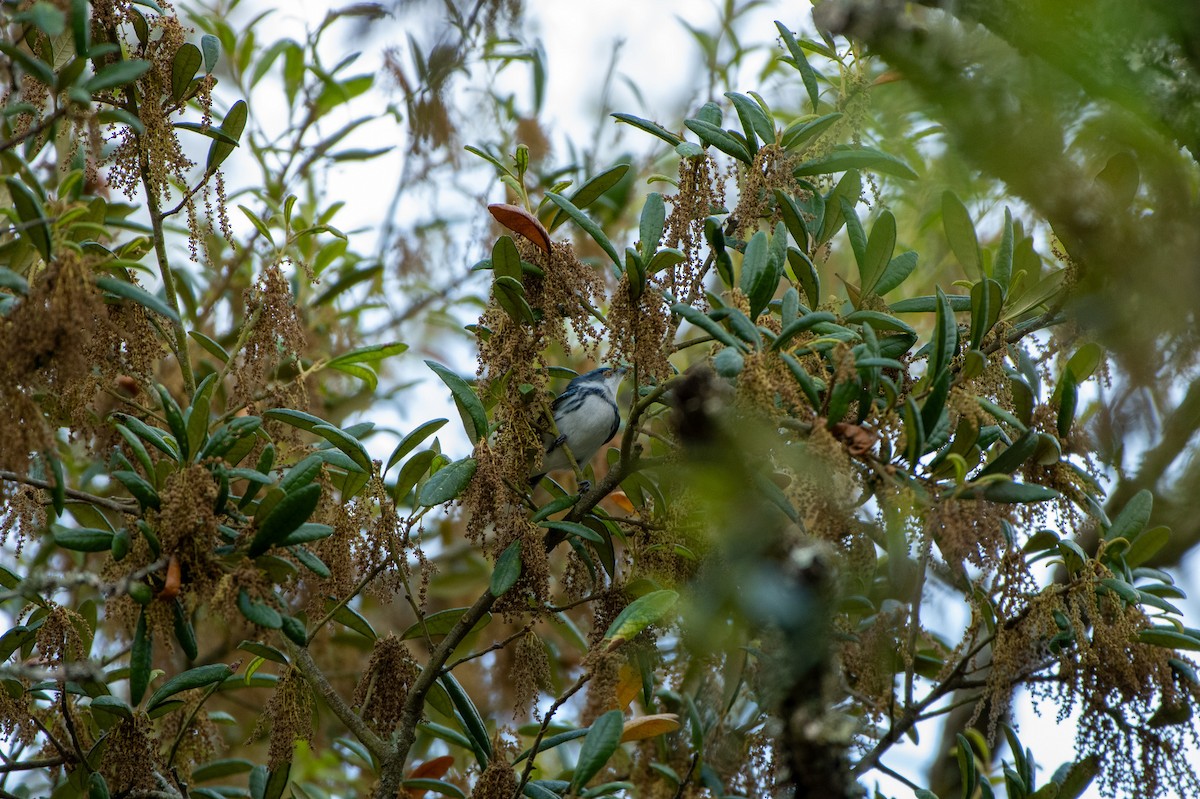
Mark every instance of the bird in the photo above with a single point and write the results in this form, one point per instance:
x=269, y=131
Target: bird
x=586, y=416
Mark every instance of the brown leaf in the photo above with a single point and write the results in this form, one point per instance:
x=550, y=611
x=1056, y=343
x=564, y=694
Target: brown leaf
x=170, y=588
x=429, y=770
x=858, y=440
x=520, y=221
x=644, y=727
x=629, y=684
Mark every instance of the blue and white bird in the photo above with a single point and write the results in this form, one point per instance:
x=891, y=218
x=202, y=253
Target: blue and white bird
x=586, y=416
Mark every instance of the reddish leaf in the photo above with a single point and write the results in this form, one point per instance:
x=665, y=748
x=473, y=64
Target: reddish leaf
x=432, y=770
x=520, y=221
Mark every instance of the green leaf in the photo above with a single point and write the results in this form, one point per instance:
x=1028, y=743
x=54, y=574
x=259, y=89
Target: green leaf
x=935, y=402
x=960, y=232
x=987, y=298
x=82, y=539
x=137, y=294
x=760, y=275
x=351, y=618
x=945, y=336
x=592, y=190
x=849, y=187
x=1007, y=491
x=285, y=517
x=707, y=324
x=447, y=483
x=307, y=533
x=210, y=346
x=575, y=528
x=1169, y=639
x=215, y=769
x=439, y=624
x=1133, y=517
x=472, y=722
x=896, y=272
x=174, y=417
x=423, y=784
x=192, y=678
x=32, y=216
x=800, y=62
x=1068, y=396
x=35, y=67
x=211, y=47
x=806, y=322
x=185, y=634
x=507, y=570
x=1002, y=267
x=589, y=227
x=139, y=487
x=112, y=705
x=258, y=613
x=968, y=777
x=1085, y=361
x=510, y=294
x=139, y=660
x=346, y=443
x=1146, y=545
x=721, y=139
x=664, y=259
x=11, y=280
x=639, y=614
x=854, y=231
x=805, y=273
x=118, y=74
x=156, y=437
x=650, y=226
x=310, y=561
x=1012, y=458
x=1122, y=589
x=601, y=742
x=411, y=473
x=276, y=782
x=879, y=321
x=259, y=224
x=929, y=303
x=410, y=441
x=799, y=134
x=878, y=252
x=469, y=405
x=226, y=437
x=183, y=68
x=650, y=127
x=232, y=126
x=506, y=260
x=844, y=158
x=45, y=17
x=300, y=419
x=754, y=119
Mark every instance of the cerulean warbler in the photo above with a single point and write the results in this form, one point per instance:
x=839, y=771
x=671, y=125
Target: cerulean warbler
x=586, y=416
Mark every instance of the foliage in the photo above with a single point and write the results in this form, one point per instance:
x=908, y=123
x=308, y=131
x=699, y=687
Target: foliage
x=826, y=433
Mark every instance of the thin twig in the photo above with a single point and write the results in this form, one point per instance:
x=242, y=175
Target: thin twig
x=118, y=505
x=46, y=762
x=494, y=647
x=378, y=747
x=533, y=750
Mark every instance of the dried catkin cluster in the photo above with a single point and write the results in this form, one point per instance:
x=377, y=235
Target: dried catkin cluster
x=289, y=712
x=384, y=685
x=276, y=337
x=700, y=193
